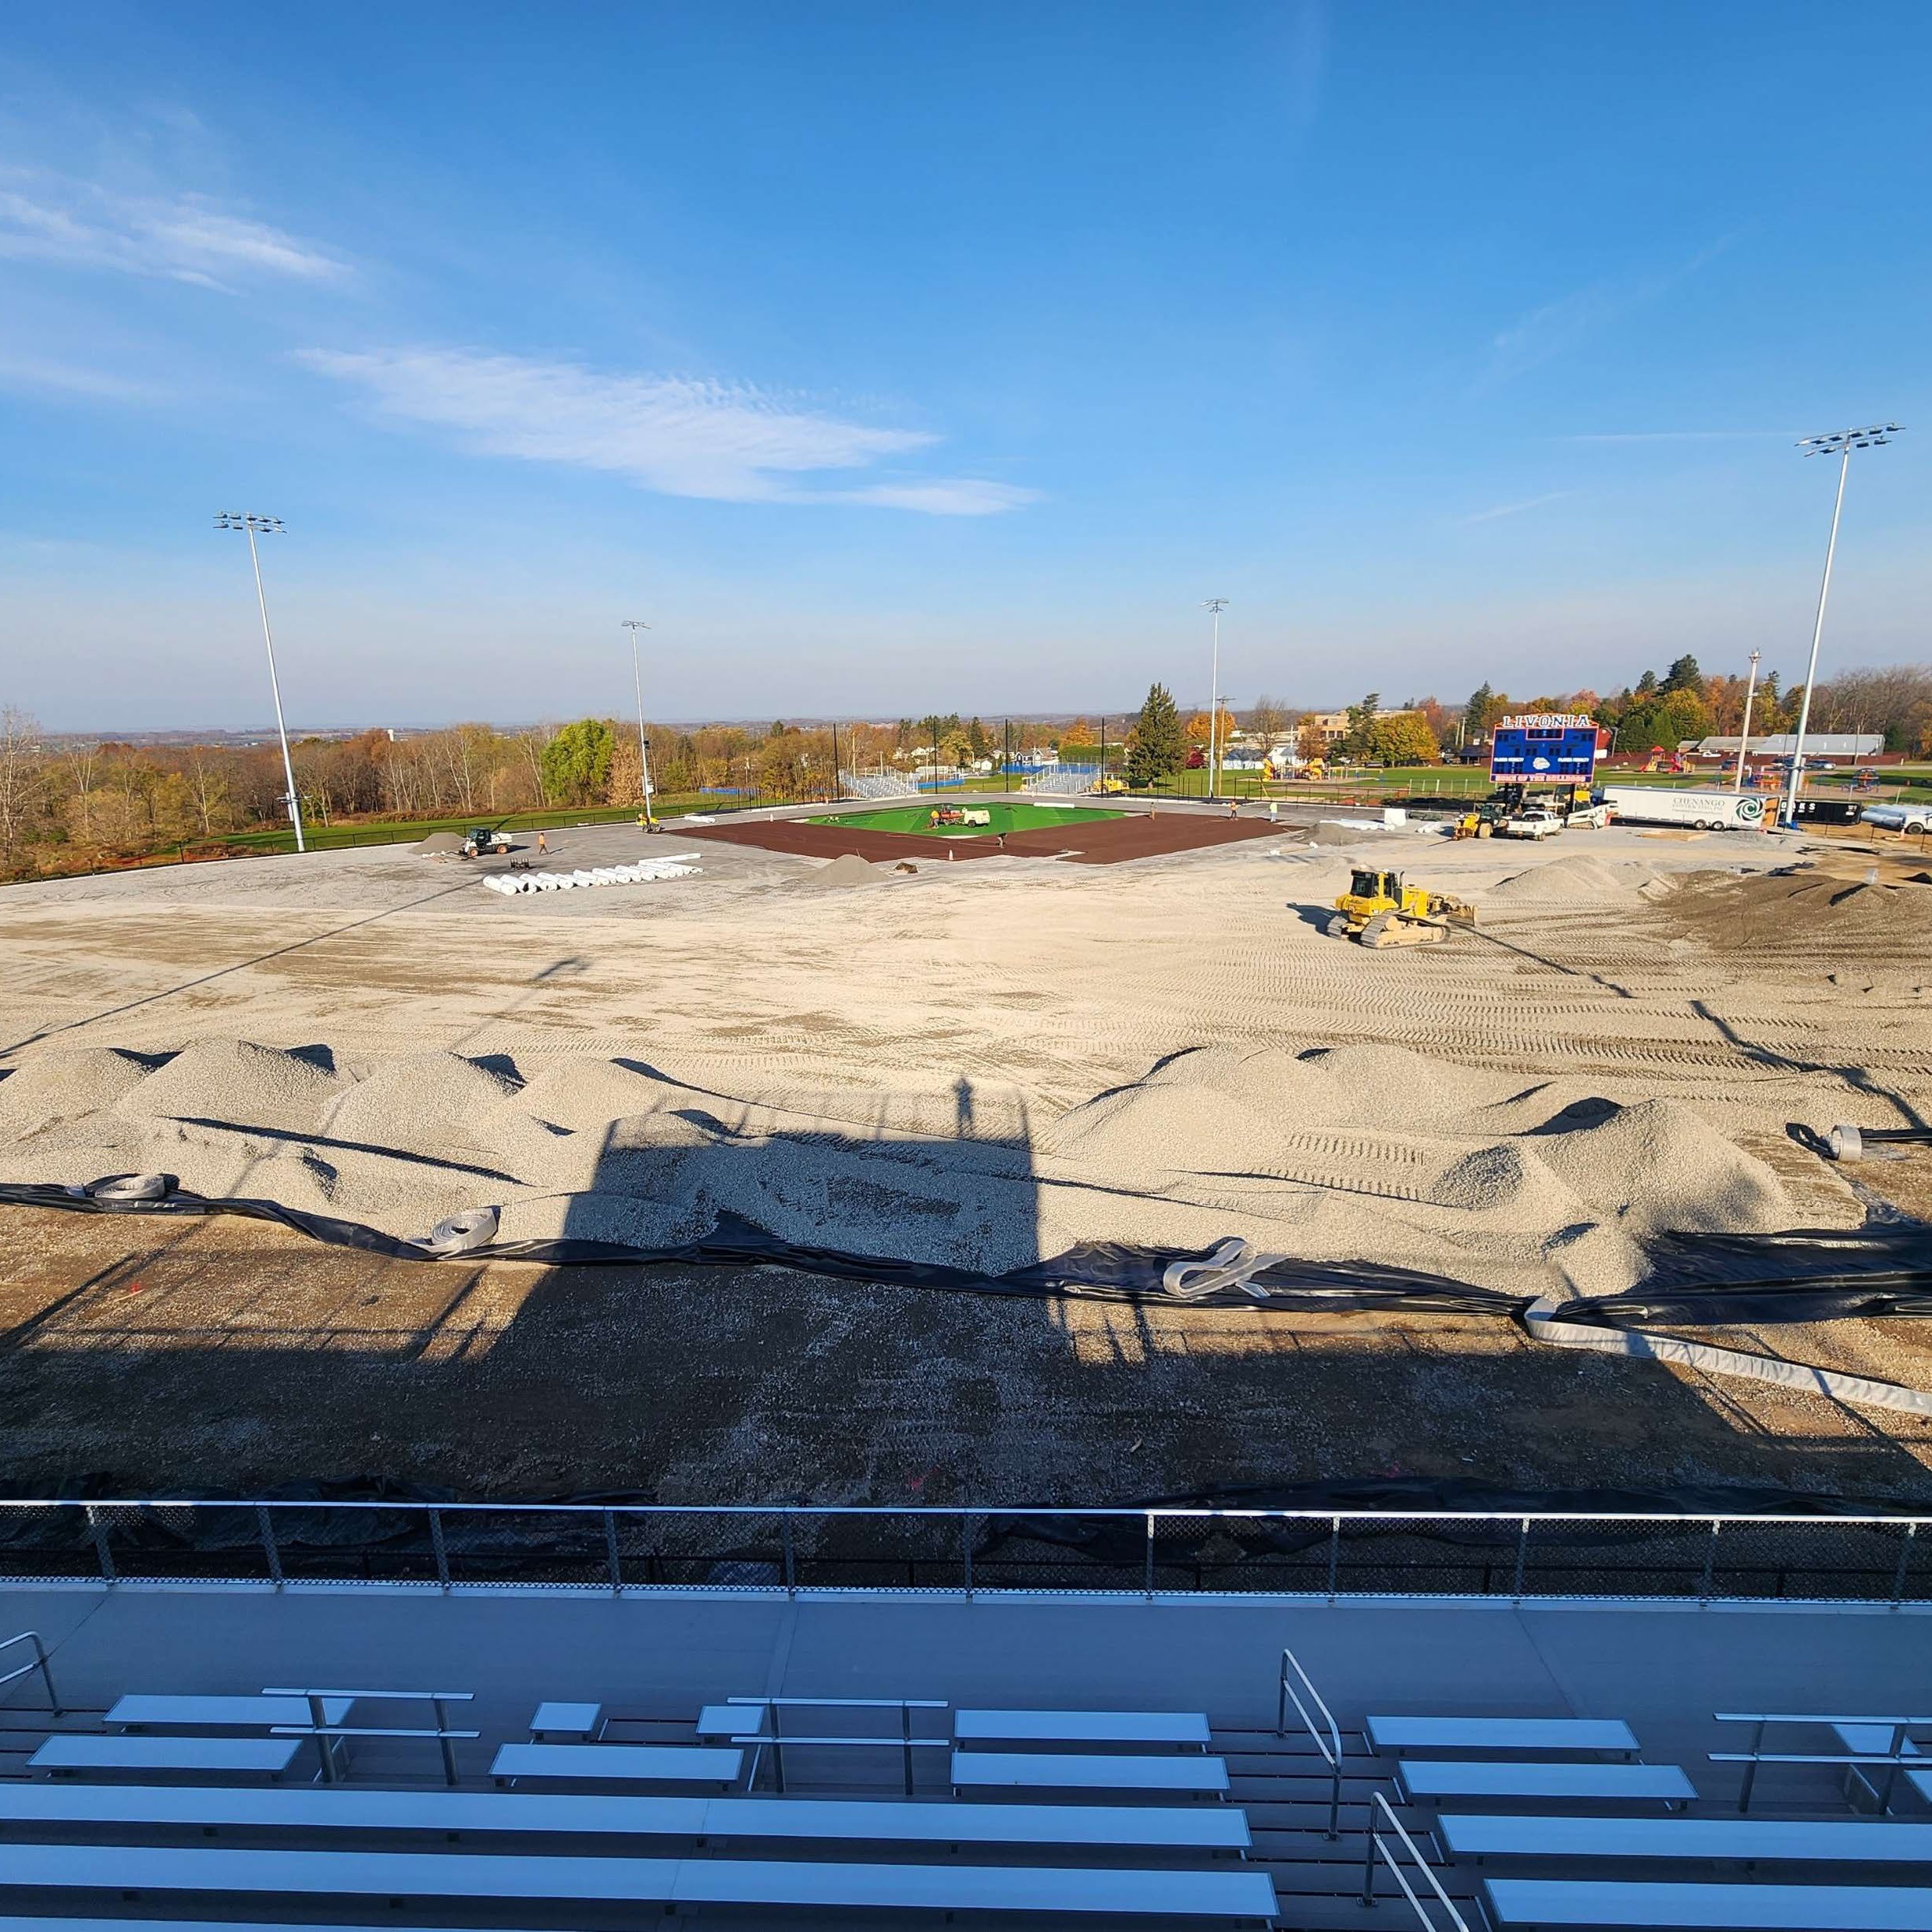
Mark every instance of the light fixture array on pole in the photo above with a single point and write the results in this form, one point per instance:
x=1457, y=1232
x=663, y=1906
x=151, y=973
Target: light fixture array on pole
x=633, y=625
x=1215, y=606
x=247, y=521
x=1839, y=443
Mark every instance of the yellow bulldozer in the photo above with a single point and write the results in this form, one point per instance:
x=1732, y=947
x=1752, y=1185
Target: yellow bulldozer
x=1380, y=909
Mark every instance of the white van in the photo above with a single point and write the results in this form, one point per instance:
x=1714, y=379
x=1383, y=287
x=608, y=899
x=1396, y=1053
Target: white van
x=1704, y=811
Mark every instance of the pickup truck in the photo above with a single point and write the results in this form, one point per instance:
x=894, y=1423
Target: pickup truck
x=1537, y=822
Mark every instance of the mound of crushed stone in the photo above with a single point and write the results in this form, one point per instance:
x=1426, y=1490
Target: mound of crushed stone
x=1804, y=906
x=237, y=1082
x=1576, y=875
x=1352, y=832
x=66, y=1085
x=425, y=1103
x=438, y=842
x=1355, y=1151
x=848, y=870
x=1656, y=1166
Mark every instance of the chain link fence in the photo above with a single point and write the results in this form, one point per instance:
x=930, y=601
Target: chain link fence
x=635, y=1546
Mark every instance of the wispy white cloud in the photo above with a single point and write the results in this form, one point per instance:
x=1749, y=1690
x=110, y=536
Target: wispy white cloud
x=67, y=378
x=1554, y=327
x=50, y=218
x=732, y=443
x=1511, y=509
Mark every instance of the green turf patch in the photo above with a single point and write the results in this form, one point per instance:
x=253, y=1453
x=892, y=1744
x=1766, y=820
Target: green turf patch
x=918, y=819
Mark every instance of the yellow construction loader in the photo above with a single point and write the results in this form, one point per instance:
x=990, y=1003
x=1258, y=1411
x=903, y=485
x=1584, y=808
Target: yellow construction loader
x=1379, y=909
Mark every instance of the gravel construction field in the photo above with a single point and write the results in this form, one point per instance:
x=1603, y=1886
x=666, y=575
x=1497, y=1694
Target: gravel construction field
x=980, y=1066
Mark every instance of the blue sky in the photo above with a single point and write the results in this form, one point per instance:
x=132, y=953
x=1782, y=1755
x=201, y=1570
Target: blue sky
x=891, y=358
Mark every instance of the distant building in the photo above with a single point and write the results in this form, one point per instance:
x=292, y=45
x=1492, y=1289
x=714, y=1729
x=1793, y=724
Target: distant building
x=1781, y=744
x=1333, y=725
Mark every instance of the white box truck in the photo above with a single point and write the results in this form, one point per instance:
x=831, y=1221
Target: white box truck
x=1703, y=811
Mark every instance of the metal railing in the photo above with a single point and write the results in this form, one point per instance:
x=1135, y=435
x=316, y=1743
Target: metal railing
x=1329, y=1747
x=775, y=1707
x=1378, y=1847
x=1320, y=1554
x=329, y=1738
x=39, y=1662
x=1900, y=1748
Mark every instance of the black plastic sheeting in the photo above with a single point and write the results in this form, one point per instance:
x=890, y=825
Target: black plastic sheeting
x=1711, y=1280
x=1099, y=1270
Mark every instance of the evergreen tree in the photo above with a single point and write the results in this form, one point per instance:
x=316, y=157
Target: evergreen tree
x=1684, y=676
x=1480, y=712
x=1356, y=739
x=1157, y=745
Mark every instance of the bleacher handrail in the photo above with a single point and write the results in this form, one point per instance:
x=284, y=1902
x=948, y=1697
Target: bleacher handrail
x=329, y=1737
x=1375, y=1845
x=39, y=1662
x=771, y=1707
x=1330, y=1749
x=1895, y=1755
x=1877, y=1559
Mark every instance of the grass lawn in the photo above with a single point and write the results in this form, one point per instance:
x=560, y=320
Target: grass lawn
x=918, y=819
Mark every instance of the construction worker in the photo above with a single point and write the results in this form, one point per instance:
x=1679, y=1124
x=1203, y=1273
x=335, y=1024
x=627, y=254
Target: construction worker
x=543, y=844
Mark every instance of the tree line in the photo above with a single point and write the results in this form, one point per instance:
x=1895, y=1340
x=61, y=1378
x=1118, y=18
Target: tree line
x=1682, y=704
x=76, y=804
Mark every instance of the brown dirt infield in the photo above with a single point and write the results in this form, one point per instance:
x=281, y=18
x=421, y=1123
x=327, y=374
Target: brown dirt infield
x=1083, y=841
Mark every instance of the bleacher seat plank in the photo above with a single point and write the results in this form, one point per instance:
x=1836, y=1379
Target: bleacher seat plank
x=1455, y=1778
x=1500, y=1734
x=1533, y=1901
x=1045, y=1771
x=1852, y=1840
x=1081, y=1727
x=556, y=1719
x=83, y=1751
x=1192, y=1827
x=629, y=1763
x=215, y=1713
x=1245, y=1894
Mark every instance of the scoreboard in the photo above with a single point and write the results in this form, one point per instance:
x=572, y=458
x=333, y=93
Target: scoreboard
x=1553, y=747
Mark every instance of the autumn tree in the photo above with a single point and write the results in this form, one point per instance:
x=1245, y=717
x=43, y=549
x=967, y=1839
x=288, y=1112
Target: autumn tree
x=576, y=763
x=1404, y=738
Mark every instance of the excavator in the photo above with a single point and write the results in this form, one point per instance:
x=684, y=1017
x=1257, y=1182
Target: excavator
x=1380, y=909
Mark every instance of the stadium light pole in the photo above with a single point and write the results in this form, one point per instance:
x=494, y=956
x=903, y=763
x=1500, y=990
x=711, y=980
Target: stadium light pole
x=1744, y=736
x=252, y=525
x=1839, y=443
x=633, y=625
x=1215, y=606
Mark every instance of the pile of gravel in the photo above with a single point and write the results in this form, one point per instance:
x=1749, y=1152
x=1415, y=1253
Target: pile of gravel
x=238, y=1081
x=60, y=1086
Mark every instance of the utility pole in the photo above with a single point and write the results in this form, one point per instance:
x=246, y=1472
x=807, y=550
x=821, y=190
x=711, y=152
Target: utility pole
x=1744, y=737
x=633, y=625
x=1216, y=606
x=1839, y=443
x=269, y=526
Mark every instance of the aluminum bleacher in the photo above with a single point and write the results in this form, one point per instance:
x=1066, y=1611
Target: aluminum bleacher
x=1075, y=1801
